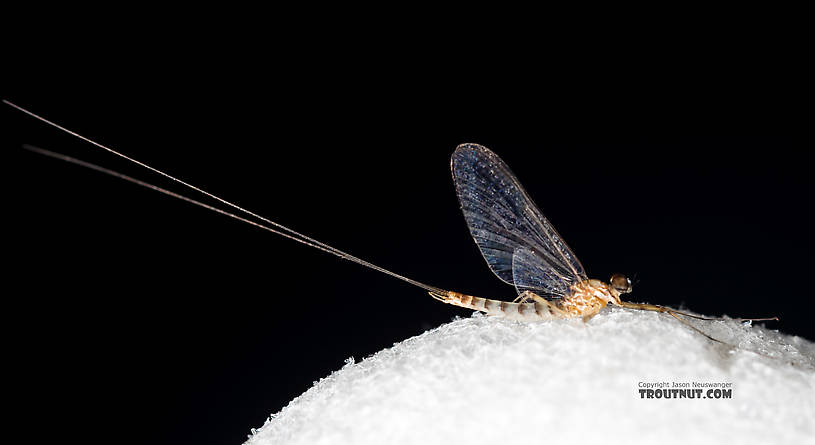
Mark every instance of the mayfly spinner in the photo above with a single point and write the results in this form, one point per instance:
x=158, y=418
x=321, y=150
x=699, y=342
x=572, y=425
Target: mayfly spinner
x=519, y=244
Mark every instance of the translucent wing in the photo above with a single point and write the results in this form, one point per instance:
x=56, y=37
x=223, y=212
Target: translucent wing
x=529, y=272
x=518, y=242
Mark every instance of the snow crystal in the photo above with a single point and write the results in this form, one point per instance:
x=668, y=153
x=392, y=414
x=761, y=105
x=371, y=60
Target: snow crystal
x=484, y=380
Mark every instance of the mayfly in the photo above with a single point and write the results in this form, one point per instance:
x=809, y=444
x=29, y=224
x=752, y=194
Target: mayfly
x=519, y=244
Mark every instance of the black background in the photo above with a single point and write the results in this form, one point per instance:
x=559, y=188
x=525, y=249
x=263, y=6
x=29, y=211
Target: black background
x=132, y=308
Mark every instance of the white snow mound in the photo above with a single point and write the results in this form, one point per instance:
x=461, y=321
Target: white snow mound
x=484, y=380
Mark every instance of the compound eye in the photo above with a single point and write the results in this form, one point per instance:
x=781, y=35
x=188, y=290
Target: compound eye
x=620, y=283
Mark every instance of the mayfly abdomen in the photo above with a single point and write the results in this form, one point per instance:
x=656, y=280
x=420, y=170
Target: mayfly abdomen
x=539, y=310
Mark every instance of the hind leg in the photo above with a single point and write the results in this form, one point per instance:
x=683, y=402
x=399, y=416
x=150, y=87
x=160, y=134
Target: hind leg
x=529, y=297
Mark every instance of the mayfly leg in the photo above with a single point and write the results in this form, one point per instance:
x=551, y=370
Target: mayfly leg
x=686, y=323
x=676, y=314
x=658, y=308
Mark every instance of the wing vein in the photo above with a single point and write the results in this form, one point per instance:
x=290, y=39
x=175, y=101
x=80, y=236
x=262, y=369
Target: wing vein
x=519, y=244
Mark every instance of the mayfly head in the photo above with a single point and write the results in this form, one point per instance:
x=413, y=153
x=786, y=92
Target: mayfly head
x=619, y=284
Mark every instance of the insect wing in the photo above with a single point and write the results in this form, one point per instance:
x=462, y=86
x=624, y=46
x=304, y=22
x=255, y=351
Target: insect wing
x=503, y=220
x=529, y=272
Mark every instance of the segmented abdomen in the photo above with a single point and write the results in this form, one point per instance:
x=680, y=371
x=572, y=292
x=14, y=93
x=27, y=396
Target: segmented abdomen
x=513, y=311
